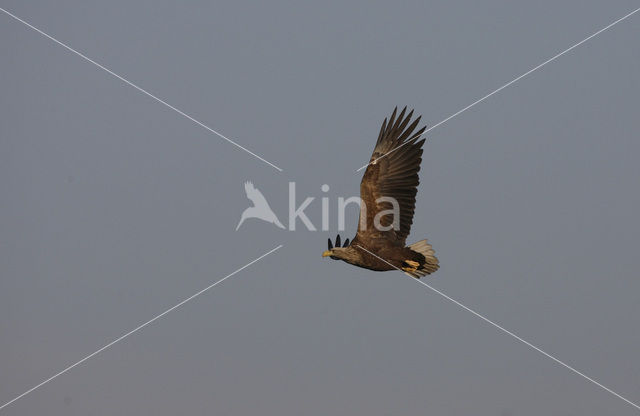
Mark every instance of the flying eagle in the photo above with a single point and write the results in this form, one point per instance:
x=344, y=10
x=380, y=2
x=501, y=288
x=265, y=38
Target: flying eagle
x=392, y=173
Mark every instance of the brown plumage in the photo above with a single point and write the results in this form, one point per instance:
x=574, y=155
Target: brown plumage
x=390, y=174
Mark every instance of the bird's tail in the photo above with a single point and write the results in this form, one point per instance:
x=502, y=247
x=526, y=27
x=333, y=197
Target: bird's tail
x=430, y=264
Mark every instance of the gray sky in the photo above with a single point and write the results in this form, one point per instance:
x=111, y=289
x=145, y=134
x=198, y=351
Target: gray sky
x=115, y=208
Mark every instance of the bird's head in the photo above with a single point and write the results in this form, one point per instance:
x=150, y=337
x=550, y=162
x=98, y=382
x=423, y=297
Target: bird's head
x=336, y=252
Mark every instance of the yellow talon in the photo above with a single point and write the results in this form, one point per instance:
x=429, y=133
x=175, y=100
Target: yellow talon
x=412, y=266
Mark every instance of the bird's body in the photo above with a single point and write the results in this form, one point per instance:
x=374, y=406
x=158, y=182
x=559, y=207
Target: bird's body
x=393, y=256
x=388, y=195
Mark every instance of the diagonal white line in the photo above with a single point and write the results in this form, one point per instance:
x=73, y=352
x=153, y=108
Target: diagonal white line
x=138, y=328
x=508, y=83
x=140, y=89
x=506, y=331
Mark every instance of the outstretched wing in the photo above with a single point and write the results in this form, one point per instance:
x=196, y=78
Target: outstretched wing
x=392, y=173
x=255, y=195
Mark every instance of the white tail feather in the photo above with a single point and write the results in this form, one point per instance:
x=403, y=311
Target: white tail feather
x=431, y=264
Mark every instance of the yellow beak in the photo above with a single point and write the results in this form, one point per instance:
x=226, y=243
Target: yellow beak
x=326, y=253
